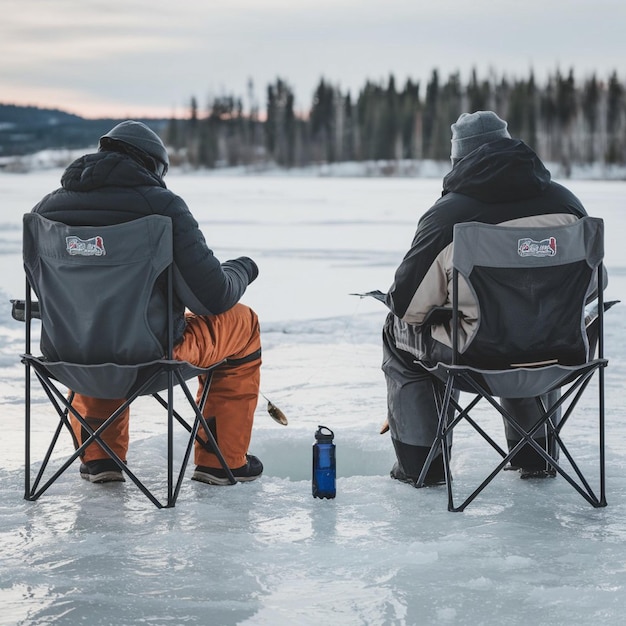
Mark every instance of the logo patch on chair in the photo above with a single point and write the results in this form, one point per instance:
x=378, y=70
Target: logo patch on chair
x=530, y=247
x=89, y=247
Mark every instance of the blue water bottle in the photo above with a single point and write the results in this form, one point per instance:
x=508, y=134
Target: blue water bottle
x=324, y=469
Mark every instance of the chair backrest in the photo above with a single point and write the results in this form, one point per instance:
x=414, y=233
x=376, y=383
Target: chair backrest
x=531, y=285
x=96, y=288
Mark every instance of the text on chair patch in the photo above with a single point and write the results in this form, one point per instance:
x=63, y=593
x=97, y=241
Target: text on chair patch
x=85, y=247
x=530, y=247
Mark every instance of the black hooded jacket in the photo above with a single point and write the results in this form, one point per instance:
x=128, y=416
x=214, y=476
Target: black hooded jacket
x=502, y=181
x=111, y=188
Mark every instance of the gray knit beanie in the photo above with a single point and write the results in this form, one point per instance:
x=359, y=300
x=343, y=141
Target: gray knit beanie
x=472, y=130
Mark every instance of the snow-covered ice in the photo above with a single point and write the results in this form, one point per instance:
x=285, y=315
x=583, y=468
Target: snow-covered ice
x=267, y=552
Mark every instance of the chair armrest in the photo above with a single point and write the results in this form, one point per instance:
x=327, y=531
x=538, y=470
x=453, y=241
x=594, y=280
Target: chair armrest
x=591, y=311
x=436, y=316
x=18, y=310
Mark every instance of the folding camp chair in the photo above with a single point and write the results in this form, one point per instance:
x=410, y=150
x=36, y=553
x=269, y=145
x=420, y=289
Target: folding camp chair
x=105, y=297
x=531, y=286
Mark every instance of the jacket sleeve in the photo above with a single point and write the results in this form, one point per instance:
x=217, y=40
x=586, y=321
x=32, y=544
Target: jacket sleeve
x=421, y=280
x=204, y=284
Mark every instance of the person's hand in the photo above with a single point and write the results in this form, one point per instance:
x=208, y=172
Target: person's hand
x=250, y=267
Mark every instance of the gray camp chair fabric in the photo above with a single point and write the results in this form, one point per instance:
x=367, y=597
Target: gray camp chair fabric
x=106, y=305
x=531, y=285
x=78, y=275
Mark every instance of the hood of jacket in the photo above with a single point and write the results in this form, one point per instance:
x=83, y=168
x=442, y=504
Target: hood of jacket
x=500, y=171
x=107, y=169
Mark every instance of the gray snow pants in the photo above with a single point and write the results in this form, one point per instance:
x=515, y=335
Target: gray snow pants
x=412, y=413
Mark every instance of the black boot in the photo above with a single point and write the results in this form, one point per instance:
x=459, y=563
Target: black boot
x=410, y=462
x=529, y=463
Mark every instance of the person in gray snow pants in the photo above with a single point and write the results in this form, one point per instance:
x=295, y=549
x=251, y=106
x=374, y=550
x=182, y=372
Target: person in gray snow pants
x=495, y=180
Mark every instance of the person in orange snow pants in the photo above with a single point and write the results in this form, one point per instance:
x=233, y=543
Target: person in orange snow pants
x=123, y=181
x=233, y=335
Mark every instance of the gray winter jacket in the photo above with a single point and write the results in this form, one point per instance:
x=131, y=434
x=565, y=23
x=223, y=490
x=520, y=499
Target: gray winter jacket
x=502, y=182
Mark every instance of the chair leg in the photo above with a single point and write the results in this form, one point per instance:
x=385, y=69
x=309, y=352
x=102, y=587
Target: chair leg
x=601, y=437
x=441, y=443
x=548, y=421
x=27, y=434
x=59, y=400
x=210, y=443
x=193, y=430
x=32, y=492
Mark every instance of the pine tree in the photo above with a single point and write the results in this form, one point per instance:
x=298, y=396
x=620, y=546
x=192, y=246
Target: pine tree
x=591, y=110
x=280, y=125
x=560, y=120
x=430, y=116
x=614, y=120
x=478, y=93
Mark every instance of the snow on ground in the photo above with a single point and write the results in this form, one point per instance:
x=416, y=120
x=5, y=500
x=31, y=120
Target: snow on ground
x=267, y=552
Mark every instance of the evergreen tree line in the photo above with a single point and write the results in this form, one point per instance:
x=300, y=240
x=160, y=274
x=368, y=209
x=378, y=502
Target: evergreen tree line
x=565, y=121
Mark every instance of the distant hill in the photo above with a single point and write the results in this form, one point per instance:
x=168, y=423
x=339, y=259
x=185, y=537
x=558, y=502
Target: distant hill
x=28, y=129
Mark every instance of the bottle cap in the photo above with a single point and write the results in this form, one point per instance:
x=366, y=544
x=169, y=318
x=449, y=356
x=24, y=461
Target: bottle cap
x=327, y=436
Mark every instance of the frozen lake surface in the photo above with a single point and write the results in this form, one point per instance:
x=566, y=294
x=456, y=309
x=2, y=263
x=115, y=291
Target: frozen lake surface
x=267, y=553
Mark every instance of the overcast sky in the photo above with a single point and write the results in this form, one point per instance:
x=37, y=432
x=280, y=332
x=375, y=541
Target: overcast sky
x=149, y=57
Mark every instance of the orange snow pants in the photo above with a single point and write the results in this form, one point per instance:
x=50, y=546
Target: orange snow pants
x=232, y=400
